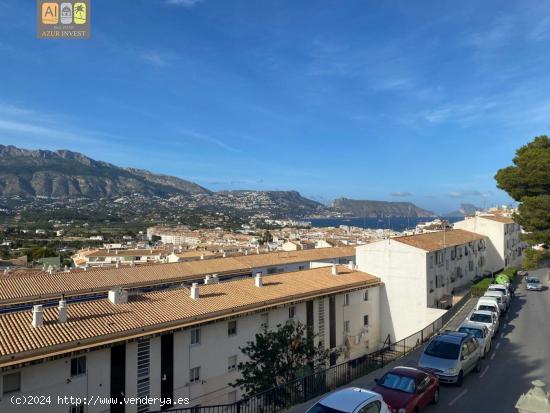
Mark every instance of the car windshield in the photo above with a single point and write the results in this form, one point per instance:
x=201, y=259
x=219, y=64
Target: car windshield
x=476, y=332
x=533, y=281
x=321, y=408
x=443, y=349
x=486, y=308
x=398, y=382
x=482, y=318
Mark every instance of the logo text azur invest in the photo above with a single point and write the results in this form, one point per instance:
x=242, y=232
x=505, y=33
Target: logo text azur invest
x=63, y=19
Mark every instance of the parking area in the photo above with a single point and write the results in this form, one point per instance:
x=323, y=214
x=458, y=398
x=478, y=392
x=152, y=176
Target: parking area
x=520, y=354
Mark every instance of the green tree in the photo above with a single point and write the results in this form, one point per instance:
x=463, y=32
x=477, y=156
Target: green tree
x=279, y=356
x=265, y=237
x=528, y=182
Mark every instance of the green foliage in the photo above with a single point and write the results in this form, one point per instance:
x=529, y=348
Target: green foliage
x=528, y=181
x=265, y=238
x=510, y=272
x=42, y=251
x=279, y=356
x=479, y=288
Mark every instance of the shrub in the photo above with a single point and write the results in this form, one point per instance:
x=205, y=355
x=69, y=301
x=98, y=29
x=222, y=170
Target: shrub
x=480, y=288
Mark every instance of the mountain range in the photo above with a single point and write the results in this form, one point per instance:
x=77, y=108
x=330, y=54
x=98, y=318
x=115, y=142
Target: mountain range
x=66, y=174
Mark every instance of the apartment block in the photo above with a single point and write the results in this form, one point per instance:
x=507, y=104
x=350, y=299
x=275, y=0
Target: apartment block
x=504, y=247
x=180, y=342
x=420, y=274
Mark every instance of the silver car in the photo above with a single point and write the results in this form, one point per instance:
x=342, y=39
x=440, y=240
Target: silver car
x=452, y=355
x=488, y=318
x=480, y=332
x=533, y=284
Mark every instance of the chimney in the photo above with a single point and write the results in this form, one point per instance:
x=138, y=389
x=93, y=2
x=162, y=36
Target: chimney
x=224, y=254
x=215, y=279
x=195, y=291
x=334, y=269
x=118, y=296
x=258, y=282
x=37, y=316
x=245, y=252
x=208, y=279
x=117, y=264
x=350, y=265
x=62, y=311
x=202, y=256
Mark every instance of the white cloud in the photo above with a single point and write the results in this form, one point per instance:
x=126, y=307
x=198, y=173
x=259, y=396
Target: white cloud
x=209, y=139
x=184, y=3
x=155, y=58
x=401, y=194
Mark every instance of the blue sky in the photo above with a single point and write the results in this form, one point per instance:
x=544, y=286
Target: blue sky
x=374, y=99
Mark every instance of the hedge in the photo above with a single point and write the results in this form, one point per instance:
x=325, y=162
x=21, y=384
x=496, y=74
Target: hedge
x=479, y=288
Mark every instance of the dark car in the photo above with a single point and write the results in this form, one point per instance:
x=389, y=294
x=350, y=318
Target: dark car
x=407, y=389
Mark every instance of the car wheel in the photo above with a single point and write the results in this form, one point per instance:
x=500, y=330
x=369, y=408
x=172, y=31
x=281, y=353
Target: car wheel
x=459, y=379
x=478, y=365
x=435, y=399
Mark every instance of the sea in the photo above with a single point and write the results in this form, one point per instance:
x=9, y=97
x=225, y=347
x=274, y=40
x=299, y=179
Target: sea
x=395, y=223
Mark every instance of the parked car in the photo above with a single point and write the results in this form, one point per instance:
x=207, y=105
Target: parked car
x=408, y=390
x=452, y=355
x=489, y=318
x=505, y=291
x=501, y=299
x=480, y=332
x=351, y=400
x=489, y=304
x=533, y=284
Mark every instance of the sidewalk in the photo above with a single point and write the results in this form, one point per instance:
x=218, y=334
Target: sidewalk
x=409, y=359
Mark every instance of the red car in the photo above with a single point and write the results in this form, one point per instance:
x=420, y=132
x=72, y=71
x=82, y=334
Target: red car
x=408, y=390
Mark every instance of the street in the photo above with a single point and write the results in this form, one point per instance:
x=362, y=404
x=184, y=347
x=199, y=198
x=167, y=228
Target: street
x=520, y=354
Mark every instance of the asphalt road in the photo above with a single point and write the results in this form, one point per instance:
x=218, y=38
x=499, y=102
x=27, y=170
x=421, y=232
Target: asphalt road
x=520, y=354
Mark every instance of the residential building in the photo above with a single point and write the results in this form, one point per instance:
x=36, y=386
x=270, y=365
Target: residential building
x=180, y=342
x=114, y=257
x=420, y=273
x=504, y=247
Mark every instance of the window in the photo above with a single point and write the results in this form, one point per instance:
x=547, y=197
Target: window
x=194, y=374
x=232, y=396
x=374, y=407
x=291, y=312
x=232, y=328
x=470, y=265
x=431, y=286
x=366, y=320
x=346, y=299
x=231, y=363
x=78, y=366
x=431, y=261
x=11, y=383
x=77, y=408
x=346, y=326
x=366, y=295
x=195, y=336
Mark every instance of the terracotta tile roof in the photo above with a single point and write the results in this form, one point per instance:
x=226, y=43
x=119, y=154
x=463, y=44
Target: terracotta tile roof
x=193, y=254
x=43, y=286
x=498, y=218
x=100, y=322
x=127, y=253
x=437, y=240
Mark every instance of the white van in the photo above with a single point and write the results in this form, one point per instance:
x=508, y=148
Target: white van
x=488, y=304
x=504, y=290
x=501, y=300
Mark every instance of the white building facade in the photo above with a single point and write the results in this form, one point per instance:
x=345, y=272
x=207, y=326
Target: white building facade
x=504, y=245
x=420, y=273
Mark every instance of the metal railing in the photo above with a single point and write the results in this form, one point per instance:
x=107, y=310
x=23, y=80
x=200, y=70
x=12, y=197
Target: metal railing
x=306, y=388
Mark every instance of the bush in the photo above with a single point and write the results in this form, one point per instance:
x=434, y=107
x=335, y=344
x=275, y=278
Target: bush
x=510, y=272
x=480, y=288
